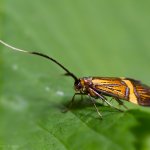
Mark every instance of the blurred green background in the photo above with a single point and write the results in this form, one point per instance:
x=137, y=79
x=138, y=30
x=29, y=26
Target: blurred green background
x=91, y=38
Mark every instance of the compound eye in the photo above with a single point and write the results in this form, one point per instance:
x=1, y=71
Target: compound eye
x=79, y=86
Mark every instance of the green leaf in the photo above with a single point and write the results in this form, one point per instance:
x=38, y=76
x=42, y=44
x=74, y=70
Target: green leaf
x=90, y=38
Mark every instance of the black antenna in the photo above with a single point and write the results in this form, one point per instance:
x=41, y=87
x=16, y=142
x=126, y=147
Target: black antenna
x=68, y=73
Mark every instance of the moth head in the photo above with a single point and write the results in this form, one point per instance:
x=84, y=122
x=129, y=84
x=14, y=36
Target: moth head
x=79, y=85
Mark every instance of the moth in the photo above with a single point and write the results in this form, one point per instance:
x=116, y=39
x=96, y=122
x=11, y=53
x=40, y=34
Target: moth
x=99, y=87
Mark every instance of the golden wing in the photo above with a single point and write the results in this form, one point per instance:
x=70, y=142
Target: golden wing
x=111, y=87
x=123, y=88
x=141, y=91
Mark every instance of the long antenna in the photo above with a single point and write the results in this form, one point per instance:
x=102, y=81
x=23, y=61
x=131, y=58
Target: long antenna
x=68, y=73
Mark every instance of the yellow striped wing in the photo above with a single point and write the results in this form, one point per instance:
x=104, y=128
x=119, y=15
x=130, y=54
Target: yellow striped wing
x=111, y=86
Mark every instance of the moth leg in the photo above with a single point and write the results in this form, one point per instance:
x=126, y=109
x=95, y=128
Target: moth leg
x=100, y=115
x=82, y=97
x=105, y=100
x=73, y=98
x=109, y=104
x=111, y=99
x=72, y=101
x=121, y=103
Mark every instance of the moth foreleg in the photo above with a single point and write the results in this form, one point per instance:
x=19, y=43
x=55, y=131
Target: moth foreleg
x=72, y=100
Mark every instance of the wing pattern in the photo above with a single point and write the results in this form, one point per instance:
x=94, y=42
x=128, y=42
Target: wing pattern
x=111, y=87
x=142, y=92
